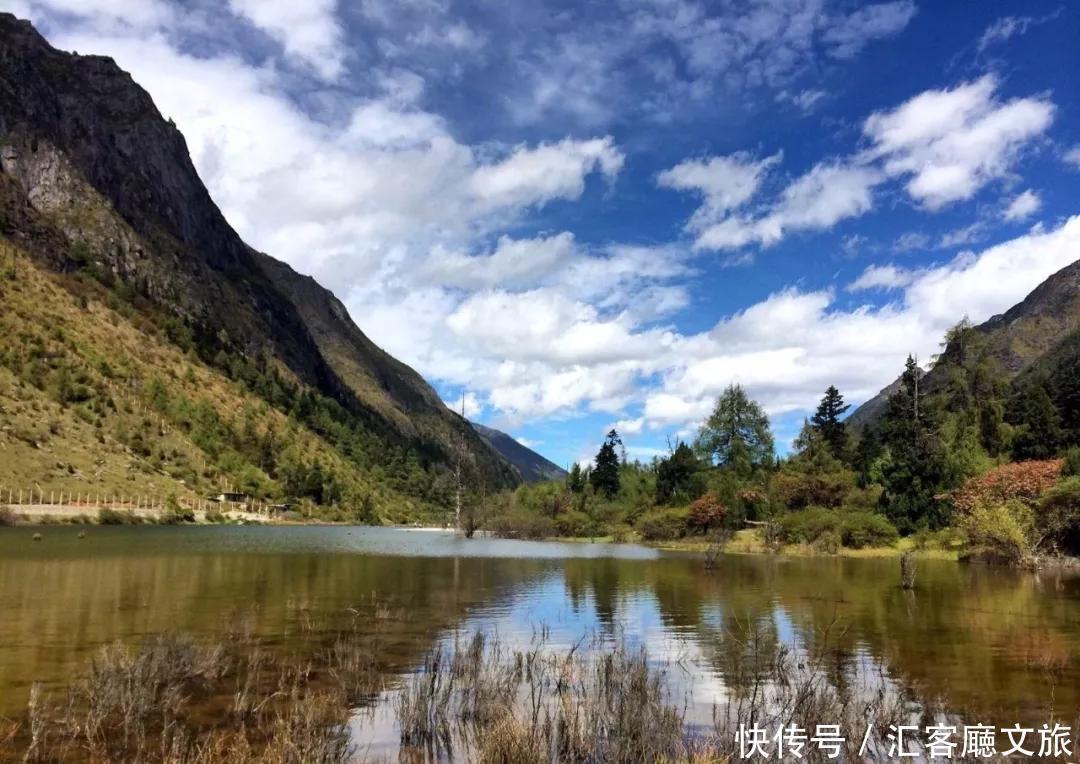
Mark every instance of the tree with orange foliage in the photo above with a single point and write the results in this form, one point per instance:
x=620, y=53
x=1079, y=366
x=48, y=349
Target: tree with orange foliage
x=1019, y=481
x=706, y=513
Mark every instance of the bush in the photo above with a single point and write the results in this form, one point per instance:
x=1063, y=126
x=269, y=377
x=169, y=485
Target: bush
x=998, y=532
x=215, y=515
x=854, y=530
x=1072, y=462
x=108, y=516
x=828, y=542
x=866, y=529
x=663, y=524
x=706, y=513
x=806, y=525
x=575, y=523
x=176, y=514
x=7, y=517
x=1021, y=481
x=797, y=490
x=522, y=524
x=1057, y=520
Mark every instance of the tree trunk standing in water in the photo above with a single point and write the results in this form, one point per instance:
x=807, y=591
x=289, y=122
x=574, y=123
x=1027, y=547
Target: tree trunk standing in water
x=907, y=570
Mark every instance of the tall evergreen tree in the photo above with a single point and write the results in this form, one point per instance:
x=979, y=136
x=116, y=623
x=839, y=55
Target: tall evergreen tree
x=826, y=420
x=675, y=475
x=737, y=434
x=1037, y=421
x=605, y=475
x=575, y=479
x=916, y=470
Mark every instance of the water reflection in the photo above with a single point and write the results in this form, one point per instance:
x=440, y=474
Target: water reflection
x=992, y=645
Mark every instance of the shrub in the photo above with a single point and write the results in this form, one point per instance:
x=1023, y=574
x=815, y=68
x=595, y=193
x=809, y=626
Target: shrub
x=1057, y=521
x=215, y=515
x=828, y=542
x=176, y=514
x=7, y=517
x=1022, y=481
x=998, y=531
x=575, y=523
x=663, y=524
x=806, y=525
x=1072, y=462
x=705, y=513
x=107, y=516
x=522, y=524
x=866, y=529
x=797, y=490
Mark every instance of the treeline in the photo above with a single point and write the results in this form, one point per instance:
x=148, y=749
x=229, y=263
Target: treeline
x=911, y=472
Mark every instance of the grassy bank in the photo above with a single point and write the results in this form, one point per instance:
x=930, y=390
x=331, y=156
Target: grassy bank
x=751, y=541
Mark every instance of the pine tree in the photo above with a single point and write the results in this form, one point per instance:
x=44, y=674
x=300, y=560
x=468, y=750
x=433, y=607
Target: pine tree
x=575, y=480
x=1037, y=421
x=826, y=421
x=916, y=470
x=605, y=475
x=737, y=435
x=675, y=475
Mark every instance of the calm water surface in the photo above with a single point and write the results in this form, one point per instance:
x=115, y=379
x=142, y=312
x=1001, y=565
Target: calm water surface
x=992, y=644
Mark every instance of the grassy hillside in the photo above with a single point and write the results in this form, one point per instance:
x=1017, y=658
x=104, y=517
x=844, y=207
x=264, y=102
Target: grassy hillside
x=96, y=397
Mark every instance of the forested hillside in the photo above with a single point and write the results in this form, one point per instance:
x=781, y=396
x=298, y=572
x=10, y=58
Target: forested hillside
x=253, y=374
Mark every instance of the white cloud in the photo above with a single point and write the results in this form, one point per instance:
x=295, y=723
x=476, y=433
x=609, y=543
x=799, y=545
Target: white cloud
x=804, y=100
x=549, y=171
x=912, y=240
x=847, y=36
x=882, y=277
x=309, y=31
x=950, y=143
x=1023, y=206
x=629, y=426
x=140, y=14
x=789, y=347
x=828, y=193
x=473, y=405
x=514, y=263
x=1072, y=156
x=725, y=182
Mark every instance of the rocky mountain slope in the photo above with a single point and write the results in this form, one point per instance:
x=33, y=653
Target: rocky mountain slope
x=532, y=466
x=95, y=184
x=1032, y=333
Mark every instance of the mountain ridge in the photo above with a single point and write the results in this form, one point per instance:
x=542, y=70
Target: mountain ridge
x=93, y=179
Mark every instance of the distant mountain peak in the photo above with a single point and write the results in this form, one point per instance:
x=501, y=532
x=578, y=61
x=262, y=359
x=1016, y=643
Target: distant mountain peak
x=532, y=466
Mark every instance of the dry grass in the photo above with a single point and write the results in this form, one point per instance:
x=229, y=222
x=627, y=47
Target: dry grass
x=177, y=701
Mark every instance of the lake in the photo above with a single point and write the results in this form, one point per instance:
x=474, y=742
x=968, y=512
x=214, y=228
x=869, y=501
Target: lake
x=991, y=644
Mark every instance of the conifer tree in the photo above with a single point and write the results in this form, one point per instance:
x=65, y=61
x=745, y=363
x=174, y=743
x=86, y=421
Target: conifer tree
x=826, y=420
x=737, y=434
x=605, y=475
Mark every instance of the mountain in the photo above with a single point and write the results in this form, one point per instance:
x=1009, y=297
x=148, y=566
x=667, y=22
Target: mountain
x=98, y=192
x=532, y=467
x=1036, y=332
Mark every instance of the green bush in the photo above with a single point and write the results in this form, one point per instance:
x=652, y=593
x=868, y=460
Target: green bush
x=107, y=516
x=998, y=531
x=855, y=530
x=866, y=529
x=1072, y=462
x=522, y=524
x=215, y=516
x=175, y=514
x=663, y=524
x=806, y=525
x=1058, y=517
x=575, y=523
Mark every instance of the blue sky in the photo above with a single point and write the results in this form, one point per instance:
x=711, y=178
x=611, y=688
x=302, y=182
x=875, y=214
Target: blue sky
x=601, y=214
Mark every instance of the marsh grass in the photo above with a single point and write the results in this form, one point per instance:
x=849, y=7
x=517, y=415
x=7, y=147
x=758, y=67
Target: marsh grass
x=177, y=700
